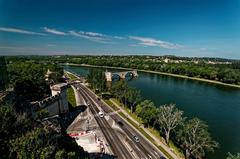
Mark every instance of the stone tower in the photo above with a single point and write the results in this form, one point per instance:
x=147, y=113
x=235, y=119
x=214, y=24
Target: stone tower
x=61, y=89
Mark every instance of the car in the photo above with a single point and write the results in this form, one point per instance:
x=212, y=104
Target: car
x=101, y=114
x=120, y=123
x=162, y=157
x=136, y=139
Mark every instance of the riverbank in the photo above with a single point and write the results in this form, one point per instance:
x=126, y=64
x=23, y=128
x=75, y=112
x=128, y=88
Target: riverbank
x=161, y=73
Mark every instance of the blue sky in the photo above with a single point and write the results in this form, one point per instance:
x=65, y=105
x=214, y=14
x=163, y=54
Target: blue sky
x=164, y=27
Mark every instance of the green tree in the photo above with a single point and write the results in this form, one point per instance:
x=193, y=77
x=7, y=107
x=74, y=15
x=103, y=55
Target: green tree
x=60, y=154
x=233, y=156
x=195, y=139
x=119, y=90
x=7, y=120
x=169, y=117
x=96, y=78
x=133, y=96
x=147, y=112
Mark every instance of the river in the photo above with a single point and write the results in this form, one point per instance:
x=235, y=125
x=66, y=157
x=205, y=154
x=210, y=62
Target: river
x=217, y=105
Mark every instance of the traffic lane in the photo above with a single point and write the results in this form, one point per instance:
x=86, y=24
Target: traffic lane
x=144, y=145
x=109, y=131
x=149, y=150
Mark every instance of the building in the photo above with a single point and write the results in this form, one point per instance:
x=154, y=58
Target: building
x=3, y=73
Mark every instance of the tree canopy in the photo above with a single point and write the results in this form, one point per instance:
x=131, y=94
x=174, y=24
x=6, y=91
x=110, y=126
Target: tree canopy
x=195, y=138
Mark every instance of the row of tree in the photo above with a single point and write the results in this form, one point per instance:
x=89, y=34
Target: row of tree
x=191, y=135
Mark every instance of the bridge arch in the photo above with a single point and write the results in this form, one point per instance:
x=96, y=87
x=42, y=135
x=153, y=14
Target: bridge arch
x=129, y=75
x=115, y=76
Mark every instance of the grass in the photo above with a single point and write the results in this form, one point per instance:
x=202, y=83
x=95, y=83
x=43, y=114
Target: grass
x=71, y=98
x=71, y=76
x=111, y=104
x=177, y=150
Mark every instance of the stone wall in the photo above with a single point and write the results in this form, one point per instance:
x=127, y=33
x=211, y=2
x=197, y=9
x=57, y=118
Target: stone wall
x=57, y=103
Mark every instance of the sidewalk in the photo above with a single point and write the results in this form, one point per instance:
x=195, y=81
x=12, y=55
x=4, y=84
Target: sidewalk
x=165, y=147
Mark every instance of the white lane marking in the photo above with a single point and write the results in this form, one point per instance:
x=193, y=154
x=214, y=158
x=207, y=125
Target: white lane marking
x=149, y=156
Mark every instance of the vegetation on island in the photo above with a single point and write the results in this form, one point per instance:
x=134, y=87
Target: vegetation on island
x=21, y=134
x=191, y=135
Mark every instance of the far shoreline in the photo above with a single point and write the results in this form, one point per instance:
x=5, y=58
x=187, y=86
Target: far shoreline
x=156, y=72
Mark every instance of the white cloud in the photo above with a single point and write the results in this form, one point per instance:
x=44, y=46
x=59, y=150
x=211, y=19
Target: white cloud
x=53, y=31
x=97, y=37
x=93, y=34
x=153, y=42
x=20, y=31
x=84, y=35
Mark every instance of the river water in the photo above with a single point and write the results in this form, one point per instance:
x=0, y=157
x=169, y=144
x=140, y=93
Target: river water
x=217, y=105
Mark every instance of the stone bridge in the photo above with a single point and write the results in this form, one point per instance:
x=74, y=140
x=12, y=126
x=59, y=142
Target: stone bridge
x=120, y=75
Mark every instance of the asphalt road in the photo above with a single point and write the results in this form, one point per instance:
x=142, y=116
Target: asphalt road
x=143, y=149
x=118, y=147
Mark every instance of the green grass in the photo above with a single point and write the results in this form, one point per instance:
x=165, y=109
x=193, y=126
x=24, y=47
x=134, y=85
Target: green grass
x=177, y=150
x=71, y=98
x=115, y=108
x=71, y=76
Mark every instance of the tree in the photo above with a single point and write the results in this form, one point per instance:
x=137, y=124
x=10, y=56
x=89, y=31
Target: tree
x=147, y=112
x=7, y=120
x=169, y=117
x=195, y=139
x=119, y=90
x=60, y=154
x=34, y=144
x=96, y=78
x=133, y=96
x=233, y=156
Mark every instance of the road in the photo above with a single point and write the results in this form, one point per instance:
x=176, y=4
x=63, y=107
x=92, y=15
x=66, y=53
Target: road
x=117, y=145
x=143, y=149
